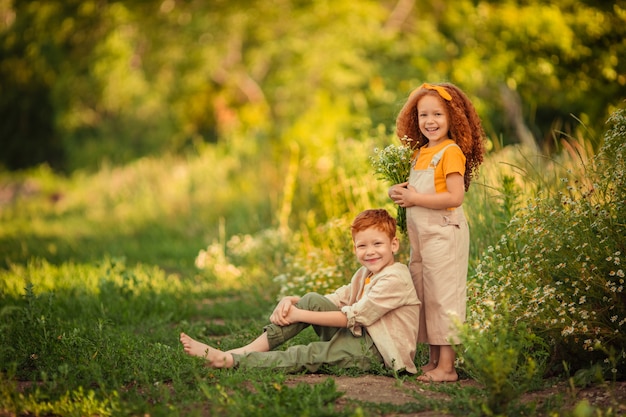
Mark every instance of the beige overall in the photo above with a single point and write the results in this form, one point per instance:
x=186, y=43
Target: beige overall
x=439, y=260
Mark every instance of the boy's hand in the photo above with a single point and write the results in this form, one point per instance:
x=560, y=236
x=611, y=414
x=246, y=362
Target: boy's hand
x=282, y=310
x=293, y=315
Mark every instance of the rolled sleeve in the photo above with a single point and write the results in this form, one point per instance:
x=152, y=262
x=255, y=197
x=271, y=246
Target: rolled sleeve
x=354, y=327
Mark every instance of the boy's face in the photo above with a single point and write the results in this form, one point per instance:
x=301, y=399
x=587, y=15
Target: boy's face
x=374, y=249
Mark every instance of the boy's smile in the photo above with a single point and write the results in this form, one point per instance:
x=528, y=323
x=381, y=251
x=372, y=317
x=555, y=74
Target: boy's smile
x=375, y=249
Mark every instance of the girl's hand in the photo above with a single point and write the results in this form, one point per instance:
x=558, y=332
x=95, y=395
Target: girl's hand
x=402, y=194
x=394, y=189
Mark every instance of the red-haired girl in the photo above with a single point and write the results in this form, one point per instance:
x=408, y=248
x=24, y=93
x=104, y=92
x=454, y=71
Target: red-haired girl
x=440, y=123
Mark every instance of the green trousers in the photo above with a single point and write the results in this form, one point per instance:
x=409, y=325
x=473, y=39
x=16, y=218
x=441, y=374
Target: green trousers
x=337, y=346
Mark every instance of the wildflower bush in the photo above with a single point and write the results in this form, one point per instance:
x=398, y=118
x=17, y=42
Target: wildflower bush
x=320, y=259
x=557, y=267
x=246, y=259
x=323, y=264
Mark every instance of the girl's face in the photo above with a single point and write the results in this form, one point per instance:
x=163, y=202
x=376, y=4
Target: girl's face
x=433, y=119
x=375, y=249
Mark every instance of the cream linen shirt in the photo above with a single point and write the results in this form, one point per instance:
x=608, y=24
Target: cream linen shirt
x=389, y=310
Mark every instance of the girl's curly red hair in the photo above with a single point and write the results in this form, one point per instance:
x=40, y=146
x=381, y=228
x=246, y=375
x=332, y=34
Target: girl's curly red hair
x=465, y=127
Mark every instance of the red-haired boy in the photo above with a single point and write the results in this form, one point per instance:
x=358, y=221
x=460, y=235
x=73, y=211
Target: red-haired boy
x=373, y=319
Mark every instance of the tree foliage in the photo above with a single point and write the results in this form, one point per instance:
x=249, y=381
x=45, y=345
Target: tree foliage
x=86, y=80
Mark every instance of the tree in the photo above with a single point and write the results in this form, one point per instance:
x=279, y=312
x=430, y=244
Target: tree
x=86, y=80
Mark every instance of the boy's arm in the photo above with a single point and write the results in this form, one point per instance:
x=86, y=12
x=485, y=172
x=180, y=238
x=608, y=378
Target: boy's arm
x=320, y=318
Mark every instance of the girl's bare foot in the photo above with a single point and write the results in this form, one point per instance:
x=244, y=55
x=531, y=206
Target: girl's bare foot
x=429, y=367
x=439, y=375
x=215, y=357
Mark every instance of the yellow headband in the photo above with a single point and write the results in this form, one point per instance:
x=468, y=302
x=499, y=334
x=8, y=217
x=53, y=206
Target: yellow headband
x=442, y=91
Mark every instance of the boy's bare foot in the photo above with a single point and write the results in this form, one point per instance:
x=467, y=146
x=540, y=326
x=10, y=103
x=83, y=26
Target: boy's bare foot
x=193, y=347
x=215, y=357
x=438, y=375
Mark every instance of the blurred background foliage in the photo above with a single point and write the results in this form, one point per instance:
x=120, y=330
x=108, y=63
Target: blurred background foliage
x=90, y=82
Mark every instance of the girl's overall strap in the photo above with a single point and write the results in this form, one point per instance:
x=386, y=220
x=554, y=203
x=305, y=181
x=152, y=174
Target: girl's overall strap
x=437, y=157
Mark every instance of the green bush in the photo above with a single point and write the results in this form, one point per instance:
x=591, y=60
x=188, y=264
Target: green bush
x=504, y=356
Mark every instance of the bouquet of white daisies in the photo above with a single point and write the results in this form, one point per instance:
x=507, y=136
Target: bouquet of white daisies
x=393, y=164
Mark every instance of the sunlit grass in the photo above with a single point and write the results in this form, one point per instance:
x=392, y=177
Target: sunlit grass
x=154, y=210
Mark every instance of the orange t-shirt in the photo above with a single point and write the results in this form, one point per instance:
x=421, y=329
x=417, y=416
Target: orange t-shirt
x=452, y=161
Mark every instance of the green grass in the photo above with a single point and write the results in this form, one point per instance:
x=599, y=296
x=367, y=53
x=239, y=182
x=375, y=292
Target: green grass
x=98, y=277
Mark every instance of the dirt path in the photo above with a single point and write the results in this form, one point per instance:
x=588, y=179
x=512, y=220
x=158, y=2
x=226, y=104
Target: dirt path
x=381, y=389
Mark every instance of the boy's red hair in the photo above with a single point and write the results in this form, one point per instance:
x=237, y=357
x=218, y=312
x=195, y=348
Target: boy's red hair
x=377, y=218
x=465, y=127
